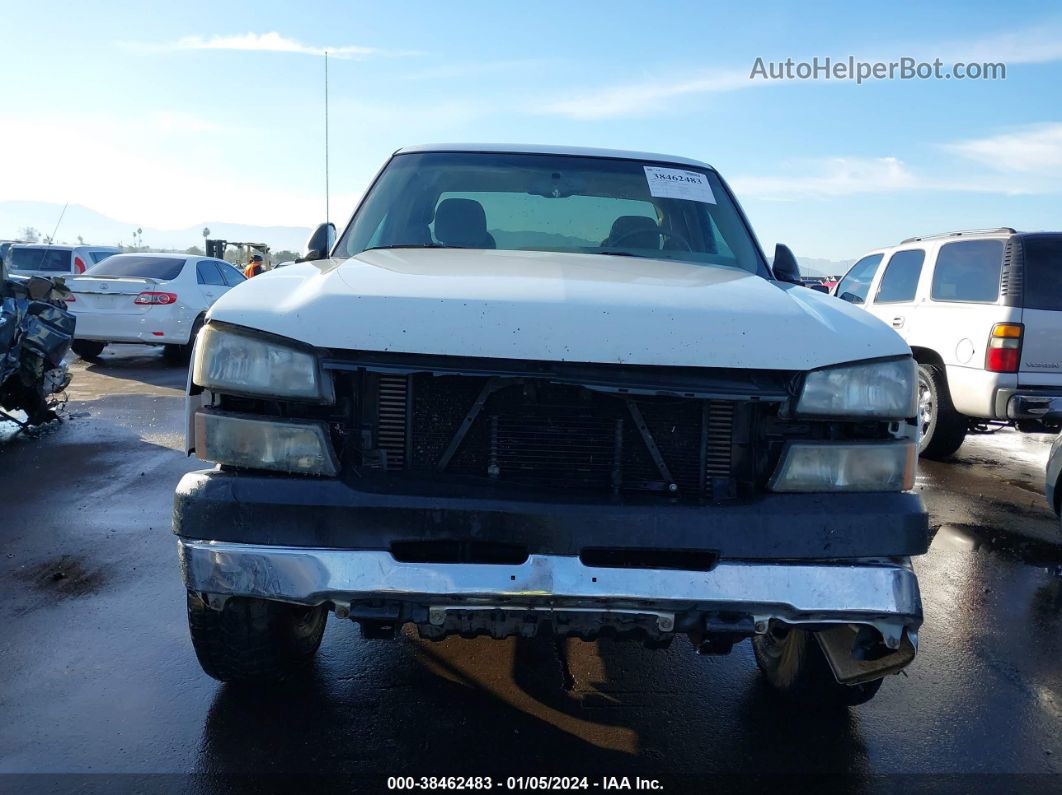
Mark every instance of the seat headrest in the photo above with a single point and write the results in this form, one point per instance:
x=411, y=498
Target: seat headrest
x=462, y=222
x=636, y=231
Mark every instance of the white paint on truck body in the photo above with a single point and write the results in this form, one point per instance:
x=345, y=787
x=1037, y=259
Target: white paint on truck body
x=557, y=307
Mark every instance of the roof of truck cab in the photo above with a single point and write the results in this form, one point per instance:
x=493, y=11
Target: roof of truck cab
x=536, y=149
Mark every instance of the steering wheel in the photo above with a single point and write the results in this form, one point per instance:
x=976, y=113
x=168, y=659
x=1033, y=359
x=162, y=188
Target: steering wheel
x=663, y=234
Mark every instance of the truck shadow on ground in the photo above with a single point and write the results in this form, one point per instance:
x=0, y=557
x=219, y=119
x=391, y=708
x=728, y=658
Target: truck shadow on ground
x=507, y=708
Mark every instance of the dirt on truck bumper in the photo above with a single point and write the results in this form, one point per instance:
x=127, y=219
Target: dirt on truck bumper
x=470, y=566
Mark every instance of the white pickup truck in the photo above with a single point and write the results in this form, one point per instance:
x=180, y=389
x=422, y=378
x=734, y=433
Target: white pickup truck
x=536, y=387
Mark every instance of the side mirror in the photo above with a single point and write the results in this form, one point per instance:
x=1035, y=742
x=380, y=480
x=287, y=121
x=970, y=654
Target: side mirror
x=319, y=243
x=785, y=265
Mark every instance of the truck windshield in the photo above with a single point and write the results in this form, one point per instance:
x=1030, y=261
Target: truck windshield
x=137, y=266
x=542, y=202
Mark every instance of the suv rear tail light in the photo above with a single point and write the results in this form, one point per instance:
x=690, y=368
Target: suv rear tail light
x=156, y=298
x=79, y=265
x=1004, y=348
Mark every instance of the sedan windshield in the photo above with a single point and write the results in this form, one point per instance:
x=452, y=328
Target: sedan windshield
x=137, y=266
x=540, y=202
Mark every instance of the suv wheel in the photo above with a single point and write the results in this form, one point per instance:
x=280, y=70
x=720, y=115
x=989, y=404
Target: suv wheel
x=254, y=640
x=87, y=349
x=943, y=428
x=795, y=666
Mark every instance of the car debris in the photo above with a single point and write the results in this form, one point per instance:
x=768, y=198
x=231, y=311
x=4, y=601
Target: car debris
x=35, y=333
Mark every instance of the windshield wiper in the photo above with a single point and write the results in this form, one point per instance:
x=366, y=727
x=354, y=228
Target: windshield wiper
x=622, y=254
x=409, y=245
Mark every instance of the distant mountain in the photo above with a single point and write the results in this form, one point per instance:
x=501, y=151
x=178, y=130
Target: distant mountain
x=97, y=229
x=506, y=239
x=813, y=266
x=816, y=266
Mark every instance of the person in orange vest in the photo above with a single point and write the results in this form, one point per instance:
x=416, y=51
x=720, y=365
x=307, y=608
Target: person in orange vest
x=254, y=267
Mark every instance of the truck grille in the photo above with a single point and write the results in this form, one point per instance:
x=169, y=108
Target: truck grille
x=555, y=436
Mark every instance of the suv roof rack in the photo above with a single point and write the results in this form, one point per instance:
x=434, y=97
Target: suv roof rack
x=961, y=233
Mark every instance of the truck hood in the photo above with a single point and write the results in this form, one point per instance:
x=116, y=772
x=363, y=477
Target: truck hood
x=558, y=307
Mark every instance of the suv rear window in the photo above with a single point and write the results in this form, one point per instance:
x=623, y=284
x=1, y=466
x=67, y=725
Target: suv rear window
x=1043, y=272
x=968, y=271
x=40, y=259
x=136, y=265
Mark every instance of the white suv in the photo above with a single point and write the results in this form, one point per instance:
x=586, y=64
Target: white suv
x=40, y=259
x=982, y=312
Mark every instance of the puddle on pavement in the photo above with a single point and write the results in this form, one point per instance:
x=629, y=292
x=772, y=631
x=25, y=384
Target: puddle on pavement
x=977, y=538
x=63, y=577
x=1024, y=485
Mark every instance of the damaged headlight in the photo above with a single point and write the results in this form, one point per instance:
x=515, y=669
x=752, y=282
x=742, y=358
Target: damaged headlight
x=256, y=443
x=860, y=466
x=241, y=363
x=873, y=389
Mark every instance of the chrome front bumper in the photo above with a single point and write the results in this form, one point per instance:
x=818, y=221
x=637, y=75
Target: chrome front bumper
x=882, y=594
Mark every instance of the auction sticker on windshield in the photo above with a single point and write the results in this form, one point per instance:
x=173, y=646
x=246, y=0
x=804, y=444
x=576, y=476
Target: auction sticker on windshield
x=676, y=183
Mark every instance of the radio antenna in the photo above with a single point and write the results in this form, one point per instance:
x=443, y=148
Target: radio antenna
x=44, y=252
x=56, y=230
x=327, y=219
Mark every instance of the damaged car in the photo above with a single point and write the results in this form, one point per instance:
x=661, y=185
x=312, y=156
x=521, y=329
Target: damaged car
x=552, y=389
x=36, y=331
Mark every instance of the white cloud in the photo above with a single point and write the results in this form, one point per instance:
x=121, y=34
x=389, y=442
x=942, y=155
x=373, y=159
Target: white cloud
x=829, y=177
x=1025, y=161
x=449, y=69
x=121, y=170
x=1035, y=150
x=179, y=122
x=1041, y=43
x=638, y=98
x=261, y=42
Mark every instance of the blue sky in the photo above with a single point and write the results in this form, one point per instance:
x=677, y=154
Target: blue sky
x=169, y=114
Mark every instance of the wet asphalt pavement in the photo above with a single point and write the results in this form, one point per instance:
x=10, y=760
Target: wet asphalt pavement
x=97, y=674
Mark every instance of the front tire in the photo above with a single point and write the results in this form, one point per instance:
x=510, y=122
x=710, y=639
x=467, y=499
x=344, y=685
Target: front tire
x=88, y=349
x=254, y=640
x=795, y=666
x=943, y=428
